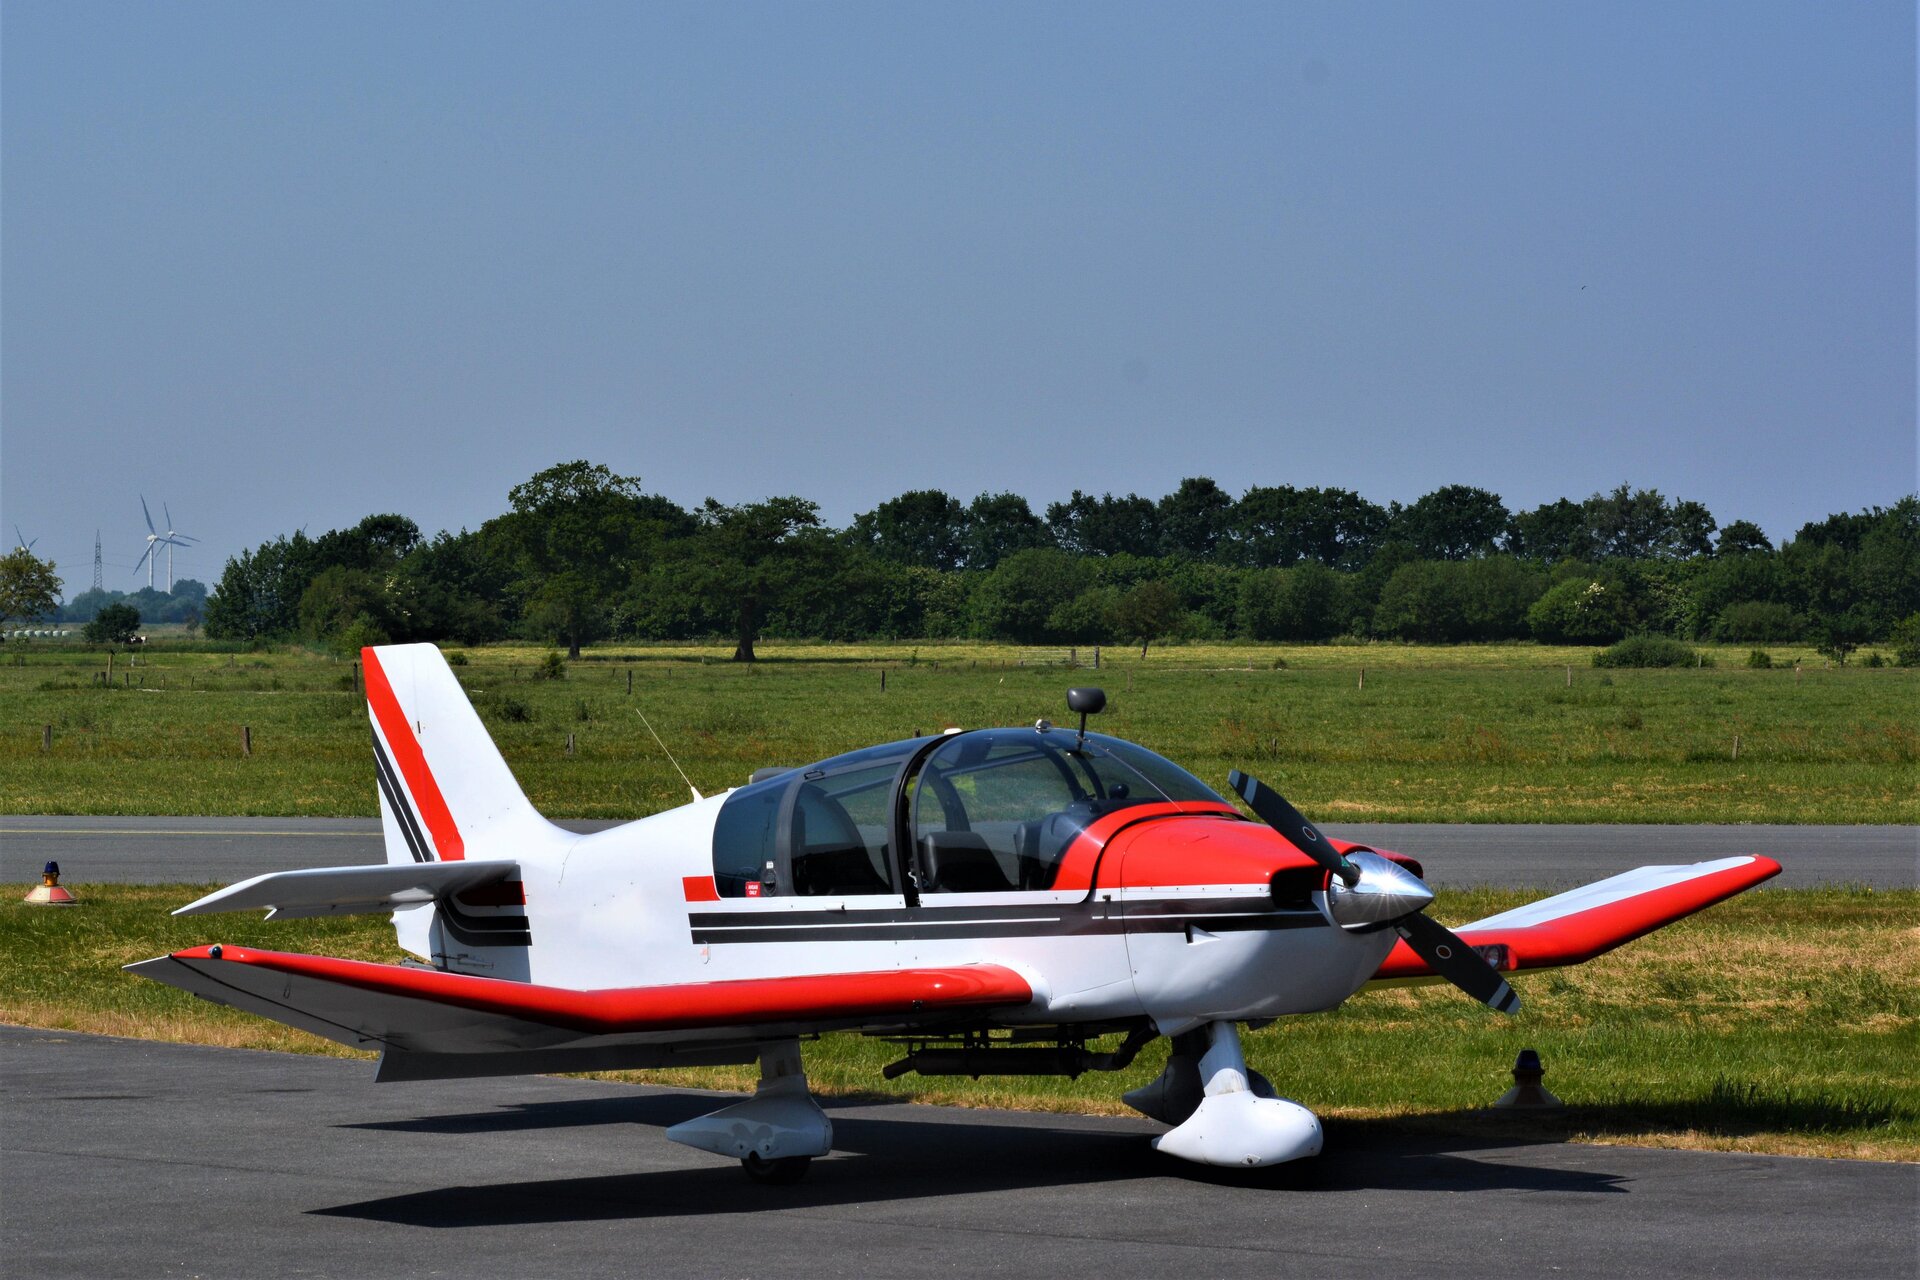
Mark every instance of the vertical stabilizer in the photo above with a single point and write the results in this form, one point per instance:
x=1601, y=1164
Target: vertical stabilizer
x=446, y=793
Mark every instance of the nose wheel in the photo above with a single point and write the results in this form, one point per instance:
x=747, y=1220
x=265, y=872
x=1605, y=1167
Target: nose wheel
x=781, y=1172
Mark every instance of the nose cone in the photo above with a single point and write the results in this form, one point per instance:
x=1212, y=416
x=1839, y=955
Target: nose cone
x=1386, y=892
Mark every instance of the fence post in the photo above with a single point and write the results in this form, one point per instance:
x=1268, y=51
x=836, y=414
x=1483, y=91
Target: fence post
x=569, y=744
x=1569, y=675
x=1736, y=747
x=629, y=680
x=246, y=740
x=883, y=679
x=1363, y=677
x=1096, y=657
x=46, y=738
x=1073, y=658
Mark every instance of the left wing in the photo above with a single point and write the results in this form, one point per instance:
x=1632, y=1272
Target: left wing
x=1574, y=927
x=412, y=1011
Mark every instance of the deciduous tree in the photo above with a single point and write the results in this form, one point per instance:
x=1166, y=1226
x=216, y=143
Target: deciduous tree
x=29, y=587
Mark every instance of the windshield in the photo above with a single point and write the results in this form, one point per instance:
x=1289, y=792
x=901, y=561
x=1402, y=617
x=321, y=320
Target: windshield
x=996, y=809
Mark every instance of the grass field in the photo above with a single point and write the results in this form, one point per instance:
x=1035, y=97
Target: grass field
x=1782, y=1021
x=1488, y=733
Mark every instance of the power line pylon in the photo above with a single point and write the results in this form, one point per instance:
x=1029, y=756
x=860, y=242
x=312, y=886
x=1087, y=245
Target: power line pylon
x=99, y=583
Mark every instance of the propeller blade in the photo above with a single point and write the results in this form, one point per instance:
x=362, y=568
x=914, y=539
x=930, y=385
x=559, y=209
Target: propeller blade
x=169, y=515
x=1458, y=963
x=148, y=514
x=1289, y=822
x=143, y=556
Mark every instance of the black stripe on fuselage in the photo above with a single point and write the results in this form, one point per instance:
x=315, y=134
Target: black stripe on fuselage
x=1049, y=920
x=484, y=931
x=396, y=799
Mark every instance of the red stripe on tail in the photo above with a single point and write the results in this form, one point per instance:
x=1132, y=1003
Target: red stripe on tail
x=398, y=732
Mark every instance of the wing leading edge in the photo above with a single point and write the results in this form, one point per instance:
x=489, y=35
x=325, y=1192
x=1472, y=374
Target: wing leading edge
x=1574, y=927
x=426, y=1011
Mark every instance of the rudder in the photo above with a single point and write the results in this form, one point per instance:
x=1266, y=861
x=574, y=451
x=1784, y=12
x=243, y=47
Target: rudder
x=446, y=793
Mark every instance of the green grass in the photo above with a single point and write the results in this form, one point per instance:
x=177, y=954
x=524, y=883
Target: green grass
x=1782, y=1021
x=1486, y=733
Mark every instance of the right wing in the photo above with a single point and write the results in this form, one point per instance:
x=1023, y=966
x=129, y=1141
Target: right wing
x=1574, y=927
x=432, y=1024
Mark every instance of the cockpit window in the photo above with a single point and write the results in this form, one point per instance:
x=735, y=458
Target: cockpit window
x=838, y=842
x=824, y=829
x=1172, y=781
x=995, y=810
x=991, y=810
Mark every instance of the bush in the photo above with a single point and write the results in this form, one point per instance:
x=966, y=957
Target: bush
x=1648, y=651
x=456, y=658
x=1760, y=658
x=1873, y=660
x=1578, y=611
x=115, y=624
x=553, y=666
x=514, y=710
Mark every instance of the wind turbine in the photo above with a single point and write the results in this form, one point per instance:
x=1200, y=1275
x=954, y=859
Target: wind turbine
x=21, y=539
x=155, y=540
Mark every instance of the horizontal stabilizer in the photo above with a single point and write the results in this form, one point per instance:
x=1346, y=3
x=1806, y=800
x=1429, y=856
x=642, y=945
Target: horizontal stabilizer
x=343, y=891
x=416, y=1009
x=1574, y=927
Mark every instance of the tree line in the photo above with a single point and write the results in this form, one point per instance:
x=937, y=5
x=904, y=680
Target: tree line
x=583, y=554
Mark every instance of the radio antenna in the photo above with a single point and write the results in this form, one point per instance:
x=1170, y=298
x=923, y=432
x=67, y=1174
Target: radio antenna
x=669, y=755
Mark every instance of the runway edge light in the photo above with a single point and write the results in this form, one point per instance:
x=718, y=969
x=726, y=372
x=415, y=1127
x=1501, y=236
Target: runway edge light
x=50, y=892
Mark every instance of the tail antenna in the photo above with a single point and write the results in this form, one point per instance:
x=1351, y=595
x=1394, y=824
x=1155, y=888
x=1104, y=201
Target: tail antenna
x=669, y=755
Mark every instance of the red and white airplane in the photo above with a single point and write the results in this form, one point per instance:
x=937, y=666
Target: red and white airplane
x=995, y=899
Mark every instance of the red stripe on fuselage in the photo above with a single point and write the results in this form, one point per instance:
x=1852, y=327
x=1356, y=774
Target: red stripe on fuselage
x=699, y=889
x=412, y=762
x=740, y=1002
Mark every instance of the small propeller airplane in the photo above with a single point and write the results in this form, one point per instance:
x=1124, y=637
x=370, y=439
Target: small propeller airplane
x=993, y=899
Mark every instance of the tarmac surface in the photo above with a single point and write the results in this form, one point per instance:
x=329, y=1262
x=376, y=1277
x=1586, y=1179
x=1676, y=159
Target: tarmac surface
x=224, y=850
x=127, y=1158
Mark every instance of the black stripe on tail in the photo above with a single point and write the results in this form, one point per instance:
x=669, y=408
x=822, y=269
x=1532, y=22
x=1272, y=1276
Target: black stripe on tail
x=397, y=801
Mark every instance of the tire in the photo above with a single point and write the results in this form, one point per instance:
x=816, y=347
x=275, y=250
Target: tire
x=776, y=1173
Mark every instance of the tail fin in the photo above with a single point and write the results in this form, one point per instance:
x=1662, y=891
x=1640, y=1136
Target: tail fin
x=445, y=792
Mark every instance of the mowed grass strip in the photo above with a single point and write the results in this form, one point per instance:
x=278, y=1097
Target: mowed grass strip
x=1781, y=1021
x=1489, y=733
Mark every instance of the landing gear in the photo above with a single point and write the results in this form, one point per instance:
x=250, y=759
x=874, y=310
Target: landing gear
x=1235, y=1121
x=774, y=1134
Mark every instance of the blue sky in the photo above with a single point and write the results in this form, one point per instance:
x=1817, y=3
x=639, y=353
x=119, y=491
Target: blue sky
x=287, y=265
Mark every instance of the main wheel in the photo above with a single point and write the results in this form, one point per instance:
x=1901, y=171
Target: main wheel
x=783, y=1172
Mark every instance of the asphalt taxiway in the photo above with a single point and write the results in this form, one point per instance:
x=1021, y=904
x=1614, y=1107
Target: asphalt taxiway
x=125, y=1158
x=223, y=850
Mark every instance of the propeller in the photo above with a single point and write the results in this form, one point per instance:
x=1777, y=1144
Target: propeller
x=1375, y=893
x=1291, y=823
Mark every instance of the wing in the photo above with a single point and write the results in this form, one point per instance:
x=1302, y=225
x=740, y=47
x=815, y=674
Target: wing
x=432, y=1024
x=1574, y=927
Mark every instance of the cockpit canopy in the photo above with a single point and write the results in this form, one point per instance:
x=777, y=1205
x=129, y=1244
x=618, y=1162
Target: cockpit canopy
x=982, y=811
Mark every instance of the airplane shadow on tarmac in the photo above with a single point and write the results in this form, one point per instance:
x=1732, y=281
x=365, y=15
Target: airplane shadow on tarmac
x=878, y=1159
